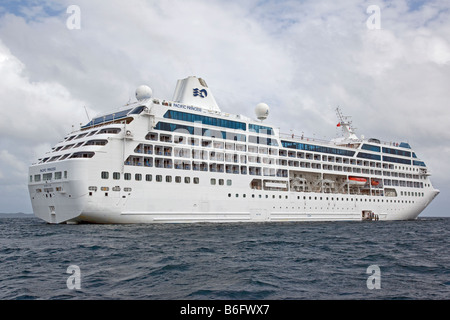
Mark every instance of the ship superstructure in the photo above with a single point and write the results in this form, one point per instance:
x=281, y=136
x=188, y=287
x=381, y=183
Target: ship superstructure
x=184, y=160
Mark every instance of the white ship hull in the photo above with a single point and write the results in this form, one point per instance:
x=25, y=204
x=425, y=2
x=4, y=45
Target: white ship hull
x=160, y=202
x=133, y=167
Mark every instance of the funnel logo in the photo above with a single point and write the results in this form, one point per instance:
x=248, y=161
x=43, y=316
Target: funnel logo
x=200, y=93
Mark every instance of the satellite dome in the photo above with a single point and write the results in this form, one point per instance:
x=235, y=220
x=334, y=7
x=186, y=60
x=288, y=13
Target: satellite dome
x=262, y=111
x=143, y=93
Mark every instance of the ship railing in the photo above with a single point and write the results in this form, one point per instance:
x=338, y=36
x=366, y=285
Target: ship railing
x=353, y=144
x=304, y=139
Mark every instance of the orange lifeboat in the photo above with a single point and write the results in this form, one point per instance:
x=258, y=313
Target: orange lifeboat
x=374, y=182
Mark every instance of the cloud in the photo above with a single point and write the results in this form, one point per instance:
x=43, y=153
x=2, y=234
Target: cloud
x=303, y=58
x=32, y=110
x=32, y=114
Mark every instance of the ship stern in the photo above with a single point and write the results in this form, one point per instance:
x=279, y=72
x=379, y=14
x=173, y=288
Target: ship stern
x=54, y=197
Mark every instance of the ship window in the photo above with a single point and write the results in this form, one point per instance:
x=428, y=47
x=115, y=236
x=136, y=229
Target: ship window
x=213, y=181
x=127, y=176
x=82, y=155
x=189, y=117
x=259, y=129
x=229, y=182
x=107, y=118
x=168, y=178
x=64, y=156
x=105, y=175
x=152, y=136
x=92, y=133
x=148, y=177
x=100, y=142
x=116, y=175
x=81, y=135
x=187, y=180
x=137, y=110
x=196, y=180
x=53, y=158
x=68, y=147
x=221, y=182
x=178, y=179
x=315, y=148
x=65, y=174
x=138, y=177
x=371, y=147
x=164, y=137
x=158, y=178
x=179, y=139
x=58, y=175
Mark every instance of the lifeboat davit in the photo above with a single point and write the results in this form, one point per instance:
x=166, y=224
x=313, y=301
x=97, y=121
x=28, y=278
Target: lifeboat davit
x=357, y=180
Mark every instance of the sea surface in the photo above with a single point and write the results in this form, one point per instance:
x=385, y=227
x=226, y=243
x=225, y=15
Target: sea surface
x=242, y=261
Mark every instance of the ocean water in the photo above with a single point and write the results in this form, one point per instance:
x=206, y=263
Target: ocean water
x=243, y=261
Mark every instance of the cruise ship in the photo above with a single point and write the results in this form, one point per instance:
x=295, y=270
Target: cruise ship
x=184, y=160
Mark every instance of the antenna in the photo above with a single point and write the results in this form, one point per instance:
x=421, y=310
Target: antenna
x=344, y=120
x=345, y=124
x=87, y=114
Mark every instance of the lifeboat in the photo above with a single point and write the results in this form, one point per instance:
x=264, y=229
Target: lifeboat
x=357, y=180
x=374, y=182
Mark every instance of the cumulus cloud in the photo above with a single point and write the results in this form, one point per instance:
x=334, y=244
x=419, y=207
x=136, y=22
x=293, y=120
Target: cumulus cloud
x=32, y=110
x=303, y=58
x=31, y=114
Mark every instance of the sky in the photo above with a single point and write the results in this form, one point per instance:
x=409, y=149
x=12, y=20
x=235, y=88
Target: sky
x=385, y=63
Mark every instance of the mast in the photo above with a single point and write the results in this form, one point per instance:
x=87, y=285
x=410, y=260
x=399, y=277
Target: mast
x=346, y=125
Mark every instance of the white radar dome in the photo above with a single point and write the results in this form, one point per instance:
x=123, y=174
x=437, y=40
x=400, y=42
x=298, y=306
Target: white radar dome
x=262, y=111
x=143, y=92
